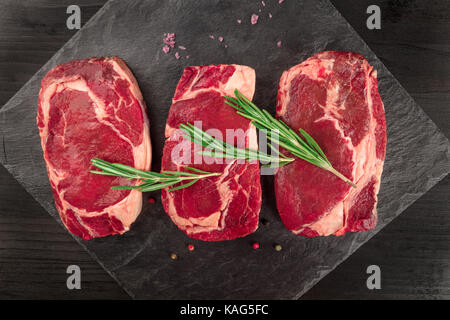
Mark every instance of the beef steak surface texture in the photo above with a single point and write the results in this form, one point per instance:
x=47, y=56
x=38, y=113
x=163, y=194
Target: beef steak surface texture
x=93, y=108
x=221, y=207
x=334, y=97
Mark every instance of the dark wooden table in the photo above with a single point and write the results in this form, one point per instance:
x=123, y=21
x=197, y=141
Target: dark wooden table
x=413, y=252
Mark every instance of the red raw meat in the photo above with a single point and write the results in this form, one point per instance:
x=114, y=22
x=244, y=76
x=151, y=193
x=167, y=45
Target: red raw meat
x=334, y=97
x=223, y=207
x=93, y=108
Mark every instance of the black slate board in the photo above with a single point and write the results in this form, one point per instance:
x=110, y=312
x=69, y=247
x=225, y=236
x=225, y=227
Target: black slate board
x=417, y=153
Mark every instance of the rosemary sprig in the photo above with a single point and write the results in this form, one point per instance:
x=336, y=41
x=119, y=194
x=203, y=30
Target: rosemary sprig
x=151, y=181
x=304, y=148
x=221, y=149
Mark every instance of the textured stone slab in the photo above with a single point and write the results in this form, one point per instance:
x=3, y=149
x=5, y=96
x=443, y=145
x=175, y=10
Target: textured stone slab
x=417, y=152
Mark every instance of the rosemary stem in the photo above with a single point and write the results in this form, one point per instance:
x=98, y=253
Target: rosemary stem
x=340, y=175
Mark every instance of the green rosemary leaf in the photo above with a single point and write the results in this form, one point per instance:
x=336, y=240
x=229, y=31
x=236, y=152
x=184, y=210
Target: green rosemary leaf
x=151, y=181
x=305, y=148
x=195, y=169
x=184, y=185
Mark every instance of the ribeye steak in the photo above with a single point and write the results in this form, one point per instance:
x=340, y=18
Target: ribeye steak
x=334, y=97
x=223, y=207
x=93, y=108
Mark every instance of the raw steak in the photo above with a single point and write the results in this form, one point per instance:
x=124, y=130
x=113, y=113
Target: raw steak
x=93, y=108
x=333, y=96
x=223, y=207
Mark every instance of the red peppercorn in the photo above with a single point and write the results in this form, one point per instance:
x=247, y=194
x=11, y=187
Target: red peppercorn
x=255, y=245
x=151, y=200
x=191, y=247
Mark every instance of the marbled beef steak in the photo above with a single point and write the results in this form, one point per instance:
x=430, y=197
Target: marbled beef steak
x=334, y=97
x=226, y=206
x=93, y=108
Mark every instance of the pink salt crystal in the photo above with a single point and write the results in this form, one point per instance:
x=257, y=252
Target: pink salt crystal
x=166, y=49
x=254, y=19
x=169, y=39
x=280, y=1
x=187, y=57
x=211, y=36
x=177, y=55
x=263, y=3
x=270, y=16
x=182, y=47
x=220, y=39
x=239, y=21
x=279, y=44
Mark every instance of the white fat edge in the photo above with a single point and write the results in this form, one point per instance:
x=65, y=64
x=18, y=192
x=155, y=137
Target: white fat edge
x=367, y=144
x=145, y=148
x=329, y=224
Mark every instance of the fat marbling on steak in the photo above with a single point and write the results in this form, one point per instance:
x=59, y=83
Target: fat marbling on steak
x=93, y=108
x=226, y=206
x=334, y=97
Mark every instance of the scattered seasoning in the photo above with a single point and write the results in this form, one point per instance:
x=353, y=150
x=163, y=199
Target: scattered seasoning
x=239, y=21
x=166, y=49
x=191, y=247
x=254, y=19
x=211, y=36
x=278, y=247
x=169, y=39
x=177, y=55
x=279, y=44
x=151, y=200
x=263, y=3
x=173, y=256
x=255, y=245
x=270, y=16
x=220, y=39
x=182, y=47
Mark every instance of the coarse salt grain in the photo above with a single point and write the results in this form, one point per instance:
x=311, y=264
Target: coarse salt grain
x=279, y=44
x=239, y=21
x=270, y=16
x=177, y=55
x=254, y=19
x=182, y=47
x=166, y=49
x=220, y=39
x=280, y=1
x=263, y=3
x=211, y=36
x=169, y=39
